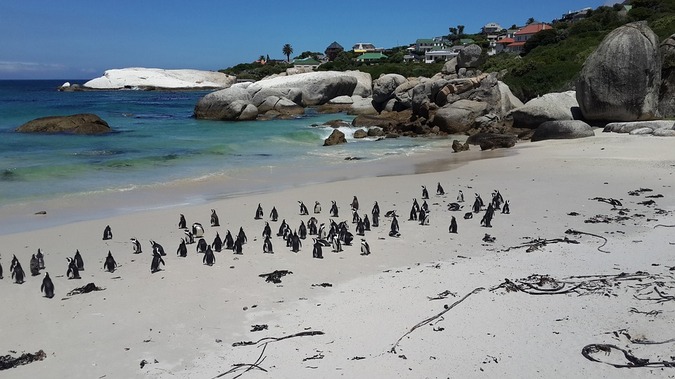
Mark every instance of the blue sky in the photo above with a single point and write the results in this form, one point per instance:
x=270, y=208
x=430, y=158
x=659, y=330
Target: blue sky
x=80, y=39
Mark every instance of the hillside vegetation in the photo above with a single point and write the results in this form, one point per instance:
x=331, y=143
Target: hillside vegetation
x=551, y=61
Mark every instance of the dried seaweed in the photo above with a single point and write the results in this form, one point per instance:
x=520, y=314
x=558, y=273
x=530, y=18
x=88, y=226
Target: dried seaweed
x=7, y=361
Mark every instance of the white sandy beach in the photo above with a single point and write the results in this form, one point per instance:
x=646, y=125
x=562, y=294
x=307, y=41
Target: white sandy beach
x=184, y=320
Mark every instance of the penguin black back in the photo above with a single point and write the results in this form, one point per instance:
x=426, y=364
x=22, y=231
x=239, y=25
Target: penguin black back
x=107, y=233
x=214, y=218
x=109, y=265
x=47, y=286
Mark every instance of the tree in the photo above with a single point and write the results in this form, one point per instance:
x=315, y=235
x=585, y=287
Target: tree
x=287, y=50
x=460, y=30
x=530, y=21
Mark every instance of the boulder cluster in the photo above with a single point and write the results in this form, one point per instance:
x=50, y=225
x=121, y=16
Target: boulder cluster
x=462, y=100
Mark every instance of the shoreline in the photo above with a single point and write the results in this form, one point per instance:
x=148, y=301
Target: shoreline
x=187, y=316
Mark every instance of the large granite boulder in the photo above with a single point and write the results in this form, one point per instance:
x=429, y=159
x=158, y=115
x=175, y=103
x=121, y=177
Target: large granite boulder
x=620, y=80
x=281, y=106
x=470, y=57
x=629, y=127
x=490, y=141
x=667, y=91
x=335, y=138
x=385, y=85
x=364, y=83
x=226, y=104
x=562, y=129
x=450, y=67
x=155, y=78
x=549, y=107
x=85, y=123
x=459, y=116
x=316, y=88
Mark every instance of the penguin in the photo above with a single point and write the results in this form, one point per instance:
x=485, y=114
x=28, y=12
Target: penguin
x=217, y=243
x=282, y=228
x=355, y=204
x=476, y=204
x=73, y=272
x=201, y=246
x=267, y=246
x=34, y=268
x=317, y=207
x=157, y=248
x=506, y=209
x=468, y=215
x=209, y=258
x=214, y=218
x=258, y=212
x=303, y=209
x=497, y=199
x=229, y=241
x=47, y=286
x=156, y=261
x=41, y=261
x=425, y=193
x=136, y=246
x=197, y=230
x=453, y=225
x=0, y=271
x=365, y=248
x=302, y=230
x=296, y=243
x=237, y=247
x=366, y=223
x=439, y=189
x=360, y=228
x=460, y=197
x=189, y=237
x=15, y=261
x=424, y=217
x=274, y=215
x=487, y=217
x=107, y=233
x=182, y=224
x=425, y=206
x=489, y=238
x=110, y=265
x=413, y=213
x=17, y=273
x=78, y=260
x=394, y=230
x=336, y=244
x=242, y=236
x=182, y=249
x=317, y=252
x=334, y=209
x=312, y=226
x=454, y=207
x=322, y=231
x=376, y=209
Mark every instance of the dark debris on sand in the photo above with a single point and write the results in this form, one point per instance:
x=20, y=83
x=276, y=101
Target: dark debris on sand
x=7, y=361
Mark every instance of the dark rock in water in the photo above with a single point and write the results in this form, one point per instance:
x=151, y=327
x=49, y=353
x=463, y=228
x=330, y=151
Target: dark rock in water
x=620, y=80
x=489, y=141
x=458, y=146
x=375, y=131
x=335, y=138
x=337, y=123
x=562, y=129
x=360, y=134
x=85, y=123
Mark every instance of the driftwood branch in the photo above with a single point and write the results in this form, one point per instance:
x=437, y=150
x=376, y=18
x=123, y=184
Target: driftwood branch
x=538, y=243
x=632, y=360
x=432, y=318
x=267, y=340
x=577, y=232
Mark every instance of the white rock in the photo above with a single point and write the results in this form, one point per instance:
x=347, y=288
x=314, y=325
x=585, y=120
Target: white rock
x=139, y=78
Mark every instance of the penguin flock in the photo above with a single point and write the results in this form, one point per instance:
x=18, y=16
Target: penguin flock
x=332, y=235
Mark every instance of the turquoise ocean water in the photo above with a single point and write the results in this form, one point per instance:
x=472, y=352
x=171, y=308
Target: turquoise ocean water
x=157, y=143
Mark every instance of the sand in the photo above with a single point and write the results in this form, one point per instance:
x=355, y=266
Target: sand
x=184, y=320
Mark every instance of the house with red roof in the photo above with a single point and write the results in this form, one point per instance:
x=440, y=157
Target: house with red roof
x=515, y=44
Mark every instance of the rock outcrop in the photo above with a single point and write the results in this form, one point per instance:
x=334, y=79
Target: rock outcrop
x=470, y=57
x=335, y=138
x=549, y=107
x=655, y=127
x=459, y=116
x=490, y=141
x=667, y=91
x=155, y=78
x=620, y=80
x=85, y=123
x=562, y=129
x=314, y=88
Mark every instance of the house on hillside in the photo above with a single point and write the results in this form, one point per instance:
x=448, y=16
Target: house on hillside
x=573, y=16
x=491, y=28
x=442, y=54
x=306, y=63
x=371, y=57
x=516, y=44
x=333, y=50
x=364, y=47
